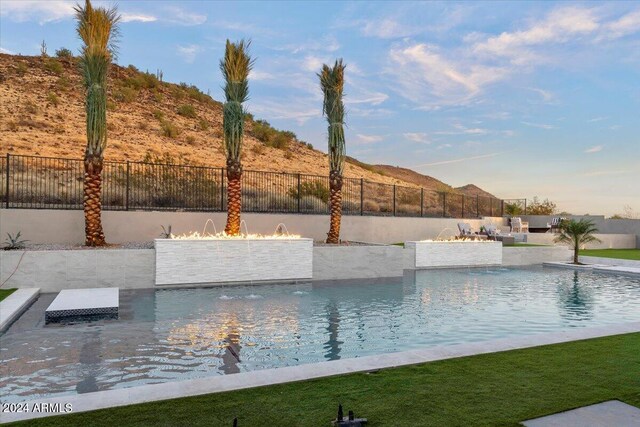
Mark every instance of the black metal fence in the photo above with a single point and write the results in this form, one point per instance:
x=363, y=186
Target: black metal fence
x=55, y=183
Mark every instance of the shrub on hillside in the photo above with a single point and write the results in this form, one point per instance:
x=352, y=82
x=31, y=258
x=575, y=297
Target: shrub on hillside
x=187, y=110
x=53, y=66
x=64, y=53
x=125, y=94
x=53, y=99
x=316, y=189
x=169, y=129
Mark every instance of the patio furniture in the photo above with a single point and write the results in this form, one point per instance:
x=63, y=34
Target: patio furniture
x=465, y=229
x=492, y=230
x=506, y=240
x=555, y=225
x=518, y=225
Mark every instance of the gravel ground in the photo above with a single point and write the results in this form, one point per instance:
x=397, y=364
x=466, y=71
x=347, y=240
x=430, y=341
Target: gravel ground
x=66, y=247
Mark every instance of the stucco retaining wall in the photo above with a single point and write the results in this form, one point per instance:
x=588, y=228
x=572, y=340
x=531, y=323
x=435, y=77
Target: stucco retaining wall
x=67, y=226
x=52, y=271
x=608, y=241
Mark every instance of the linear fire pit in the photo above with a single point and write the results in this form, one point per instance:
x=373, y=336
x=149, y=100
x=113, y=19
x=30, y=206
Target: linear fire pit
x=455, y=253
x=193, y=261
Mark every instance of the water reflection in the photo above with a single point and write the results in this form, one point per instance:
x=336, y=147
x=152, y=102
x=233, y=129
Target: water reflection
x=332, y=345
x=575, y=299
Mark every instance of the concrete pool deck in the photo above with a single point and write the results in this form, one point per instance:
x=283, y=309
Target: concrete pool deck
x=605, y=414
x=600, y=268
x=12, y=307
x=217, y=384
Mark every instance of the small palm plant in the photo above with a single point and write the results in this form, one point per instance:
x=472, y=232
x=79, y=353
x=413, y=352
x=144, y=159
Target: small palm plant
x=14, y=242
x=98, y=30
x=332, y=85
x=235, y=67
x=577, y=234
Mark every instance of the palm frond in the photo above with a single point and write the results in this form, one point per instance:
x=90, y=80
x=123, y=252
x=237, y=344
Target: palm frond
x=332, y=85
x=98, y=30
x=235, y=66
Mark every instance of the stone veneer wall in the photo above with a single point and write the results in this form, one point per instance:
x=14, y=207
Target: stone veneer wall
x=455, y=254
x=235, y=260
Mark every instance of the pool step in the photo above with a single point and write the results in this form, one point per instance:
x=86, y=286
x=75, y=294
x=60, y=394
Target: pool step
x=90, y=303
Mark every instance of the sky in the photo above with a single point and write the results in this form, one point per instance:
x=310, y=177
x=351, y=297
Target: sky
x=520, y=98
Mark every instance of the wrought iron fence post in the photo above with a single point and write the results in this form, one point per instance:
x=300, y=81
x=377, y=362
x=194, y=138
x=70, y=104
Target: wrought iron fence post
x=463, y=206
x=421, y=202
x=525, y=206
x=126, y=199
x=299, y=193
x=444, y=205
x=222, y=189
x=478, y=205
x=501, y=207
x=394, y=200
x=6, y=196
x=491, y=206
x=361, y=196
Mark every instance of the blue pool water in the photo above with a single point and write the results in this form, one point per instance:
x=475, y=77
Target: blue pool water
x=168, y=335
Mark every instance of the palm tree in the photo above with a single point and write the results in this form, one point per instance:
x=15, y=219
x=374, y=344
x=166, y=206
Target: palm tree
x=235, y=67
x=577, y=234
x=98, y=30
x=332, y=84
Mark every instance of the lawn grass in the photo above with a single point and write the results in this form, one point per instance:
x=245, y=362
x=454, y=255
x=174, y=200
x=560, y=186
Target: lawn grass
x=525, y=245
x=6, y=292
x=499, y=389
x=633, y=254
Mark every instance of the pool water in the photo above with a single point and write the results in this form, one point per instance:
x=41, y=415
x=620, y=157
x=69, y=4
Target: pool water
x=168, y=335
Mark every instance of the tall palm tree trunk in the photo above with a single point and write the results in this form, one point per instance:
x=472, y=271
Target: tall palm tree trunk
x=94, y=236
x=335, y=201
x=576, y=251
x=234, y=197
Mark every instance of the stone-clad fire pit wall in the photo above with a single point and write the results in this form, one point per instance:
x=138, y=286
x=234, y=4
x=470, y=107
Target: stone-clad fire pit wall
x=193, y=261
x=434, y=254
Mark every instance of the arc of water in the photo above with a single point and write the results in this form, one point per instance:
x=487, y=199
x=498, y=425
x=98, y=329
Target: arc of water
x=204, y=230
x=442, y=231
x=284, y=227
x=246, y=230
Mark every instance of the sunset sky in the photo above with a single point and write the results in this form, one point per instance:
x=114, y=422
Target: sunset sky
x=521, y=99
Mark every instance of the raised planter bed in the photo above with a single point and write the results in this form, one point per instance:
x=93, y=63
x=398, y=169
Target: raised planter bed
x=439, y=254
x=196, y=261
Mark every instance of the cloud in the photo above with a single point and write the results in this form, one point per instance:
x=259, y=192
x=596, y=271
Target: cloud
x=594, y=149
x=180, y=16
x=286, y=109
x=7, y=51
x=539, y=125
x=313, y=63
x=258, y=75
x=606, y=172
x=597, y=119
x=39, y=11
x=386, y=29
x=627, y=24
x=462, y=130
x=425, y=76
x=463, y=159
x=368, y=139
x=561, y=25
x=546, y=95
x=189, y=52
x=420, y=137
x=137, y=17
x=327, y=43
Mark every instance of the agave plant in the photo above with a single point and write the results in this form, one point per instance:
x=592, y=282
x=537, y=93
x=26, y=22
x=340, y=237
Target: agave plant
x=14, y=242
x=235, y=67
x=98, y=30
x=332, y=84
x=577, y=234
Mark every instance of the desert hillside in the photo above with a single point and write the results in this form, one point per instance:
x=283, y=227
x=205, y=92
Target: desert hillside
x=42, y=113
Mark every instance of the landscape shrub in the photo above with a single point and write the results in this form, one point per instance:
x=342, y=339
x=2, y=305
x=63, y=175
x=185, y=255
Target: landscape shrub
x=125, y=94
x=53, y=66
x=203, y=125
x=187, y=110
x=53, y=99
x=315, y=189
x=64, y=53
x=63, y=83
x=159, y=115
x=371, y=206
x=190, y=139
x=263, y=131
x=537, y=207
x=141, y=81
x=258, y=149
x=21, y=69
x=169, y=129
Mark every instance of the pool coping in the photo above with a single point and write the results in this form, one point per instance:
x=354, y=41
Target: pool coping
x=599, y=268
x=12, y=307
x=199, y=386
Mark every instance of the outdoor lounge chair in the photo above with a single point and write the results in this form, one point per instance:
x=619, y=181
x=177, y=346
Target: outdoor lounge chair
x=491, y=230
x=556, y=222
x=465, y=229
x=518, y=225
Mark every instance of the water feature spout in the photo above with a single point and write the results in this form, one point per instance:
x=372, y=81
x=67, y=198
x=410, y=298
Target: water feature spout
x=204, y=230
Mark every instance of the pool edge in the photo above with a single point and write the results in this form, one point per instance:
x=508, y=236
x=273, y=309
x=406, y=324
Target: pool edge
x=200, y=386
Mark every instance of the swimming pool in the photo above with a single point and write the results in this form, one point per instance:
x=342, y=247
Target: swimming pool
x=169, y=335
